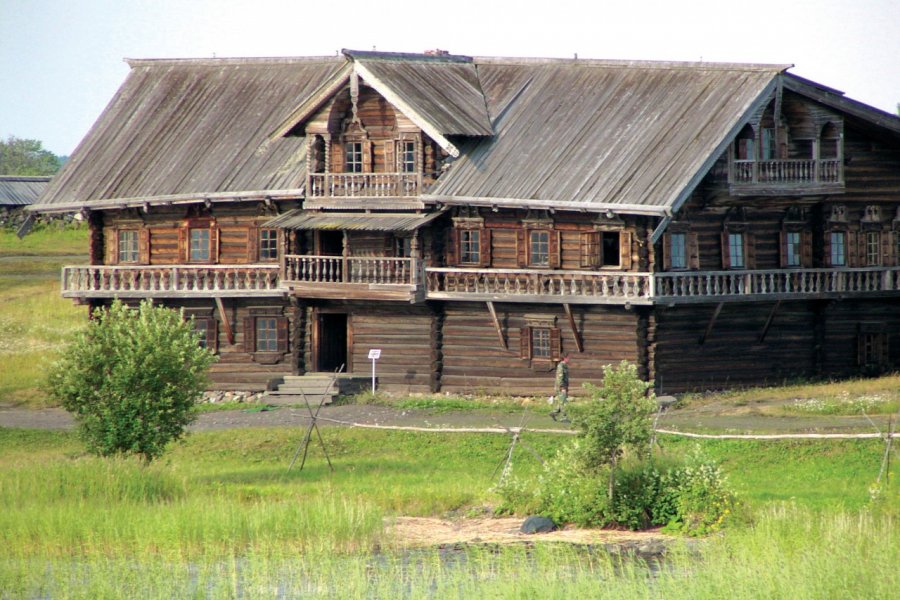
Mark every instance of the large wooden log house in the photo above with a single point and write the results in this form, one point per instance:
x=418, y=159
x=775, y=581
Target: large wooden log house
x=475, y=219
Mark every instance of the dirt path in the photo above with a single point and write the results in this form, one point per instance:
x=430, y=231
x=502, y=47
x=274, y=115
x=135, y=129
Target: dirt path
x=702, y=419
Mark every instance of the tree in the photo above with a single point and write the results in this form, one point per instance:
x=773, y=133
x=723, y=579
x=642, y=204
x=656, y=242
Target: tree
x=26, y=157
x=132, y=379
x=617, y=416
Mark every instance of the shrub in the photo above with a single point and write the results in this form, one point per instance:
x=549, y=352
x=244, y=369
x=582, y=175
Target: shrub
x=131, y=379
x=616, y=417
x=704, y=499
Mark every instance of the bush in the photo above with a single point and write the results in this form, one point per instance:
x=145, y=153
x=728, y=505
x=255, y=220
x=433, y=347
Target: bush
x=132, y=379
x=704, y=500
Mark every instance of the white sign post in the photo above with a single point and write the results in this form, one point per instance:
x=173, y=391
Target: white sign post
x=374, y=355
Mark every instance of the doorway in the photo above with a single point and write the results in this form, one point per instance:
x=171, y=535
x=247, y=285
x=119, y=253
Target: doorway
x=331, y=350
x=331, y=243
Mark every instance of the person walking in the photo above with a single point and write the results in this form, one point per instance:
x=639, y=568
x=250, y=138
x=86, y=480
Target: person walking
x=561, y=389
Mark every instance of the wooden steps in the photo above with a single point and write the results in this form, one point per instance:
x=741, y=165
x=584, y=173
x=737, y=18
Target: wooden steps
x=314, y=386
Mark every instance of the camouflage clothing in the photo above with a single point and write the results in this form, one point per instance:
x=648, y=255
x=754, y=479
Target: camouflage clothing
x=562, y=389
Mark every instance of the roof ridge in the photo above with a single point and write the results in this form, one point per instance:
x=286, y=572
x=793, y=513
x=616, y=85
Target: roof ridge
x=439, y=56
x=635, y=64
x=236, y=60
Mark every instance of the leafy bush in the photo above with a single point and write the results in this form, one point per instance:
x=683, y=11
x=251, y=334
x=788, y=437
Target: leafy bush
x=704, y=499
x=132, y=379
x=568, y=494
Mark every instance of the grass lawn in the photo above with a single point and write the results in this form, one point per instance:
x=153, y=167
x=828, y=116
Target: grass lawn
x=35, y=320
x=221, y=511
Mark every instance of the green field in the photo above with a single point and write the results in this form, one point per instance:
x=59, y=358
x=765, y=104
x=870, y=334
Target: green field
x=222, y=512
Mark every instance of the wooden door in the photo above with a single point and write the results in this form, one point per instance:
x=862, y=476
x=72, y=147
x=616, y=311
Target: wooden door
x=332, y=342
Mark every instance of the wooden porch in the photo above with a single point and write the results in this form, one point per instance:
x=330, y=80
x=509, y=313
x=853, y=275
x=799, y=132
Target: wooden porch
x=177, y=281
x=776, y=284
x=539, y=285
x=368, y=278
x=795, y=176
x=364, y=185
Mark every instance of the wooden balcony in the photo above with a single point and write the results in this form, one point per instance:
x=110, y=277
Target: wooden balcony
x=364, y=185
x=539, y=285
x=794, y=176
x=715, y=286
x=176, y=281
x=369, y=278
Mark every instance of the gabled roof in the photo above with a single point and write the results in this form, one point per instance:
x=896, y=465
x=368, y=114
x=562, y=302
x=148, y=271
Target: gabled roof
x=629, y=136
x=20, y=190
x=188, y=129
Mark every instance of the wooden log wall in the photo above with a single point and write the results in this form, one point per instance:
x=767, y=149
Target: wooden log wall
x=404, y=335
x=732, y=354
x=237, y=227
x=475, y=362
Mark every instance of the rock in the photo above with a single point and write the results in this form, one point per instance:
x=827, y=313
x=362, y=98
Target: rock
x=537, y=524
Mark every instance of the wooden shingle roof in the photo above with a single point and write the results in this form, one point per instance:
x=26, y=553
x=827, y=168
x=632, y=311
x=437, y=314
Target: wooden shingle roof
x=19, y=190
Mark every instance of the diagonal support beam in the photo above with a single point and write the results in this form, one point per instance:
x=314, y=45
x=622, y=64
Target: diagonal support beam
x=497, y=326
x=712, y=323
x=762, y=336
x=229, y=332
x=579, y=342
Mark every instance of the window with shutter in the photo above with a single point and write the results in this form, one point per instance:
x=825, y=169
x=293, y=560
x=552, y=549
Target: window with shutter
x=128, y=246
x=268, y=245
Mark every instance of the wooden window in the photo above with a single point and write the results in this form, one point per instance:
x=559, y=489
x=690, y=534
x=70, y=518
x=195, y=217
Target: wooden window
x=735, y=249
x=768, y=148
x=402, y=247
x=678, y=251
x=353, y=157
x=837, y=250
x=790, y=249
x=266, y=335
x=540, y=343
x=207, y=330
x=872, y=348
x=268, y=245
x=128, y=246
x=199, y=245
x=539, y=249
x=873, y=248
x=470, y=246
x=407, y=156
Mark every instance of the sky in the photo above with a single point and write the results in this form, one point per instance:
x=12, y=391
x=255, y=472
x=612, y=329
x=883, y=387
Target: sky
x=61, y=61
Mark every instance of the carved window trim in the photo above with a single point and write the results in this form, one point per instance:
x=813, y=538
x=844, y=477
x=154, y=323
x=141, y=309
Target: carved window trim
x=540, y=340
x=281, y=342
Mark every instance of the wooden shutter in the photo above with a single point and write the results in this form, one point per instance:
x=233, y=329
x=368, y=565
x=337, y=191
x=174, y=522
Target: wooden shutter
x=553, y=249
x=749, y=251
x=806, y=249
x=183, y=244
x=485, y=247
x=555, y=344
x=213, y=244
x=826, y=249
x=886, y=248
x=249, y=334
x=452, y=250
x=783, y=249
x=667, y=251
x=367, y=156
x=590, y=249
x=111, y=236
x=625, y=250
x=253, y=244
x=726, y=257
x=391, y=159
x=693, y=251
x=212, y=335
x=281, y=334
x=522, y=247
x=143, y=246
x=525, y=342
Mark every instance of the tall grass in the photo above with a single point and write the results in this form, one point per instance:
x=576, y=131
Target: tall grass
x=788, y=553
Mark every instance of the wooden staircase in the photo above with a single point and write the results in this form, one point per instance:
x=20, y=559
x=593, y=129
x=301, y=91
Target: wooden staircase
x=315, y=386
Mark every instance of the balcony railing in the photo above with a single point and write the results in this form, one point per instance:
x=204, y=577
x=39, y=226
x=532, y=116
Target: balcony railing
x=170, y=281
x=705, y=286
x=364, y=185
x=524, y=285
x=787, y=172
x=351, y=270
